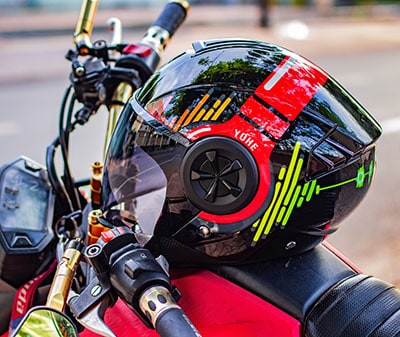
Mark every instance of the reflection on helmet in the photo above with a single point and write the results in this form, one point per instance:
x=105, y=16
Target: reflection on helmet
x=241, y=150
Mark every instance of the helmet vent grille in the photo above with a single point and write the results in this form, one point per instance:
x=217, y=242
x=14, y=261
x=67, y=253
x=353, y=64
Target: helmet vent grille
x=219, y=175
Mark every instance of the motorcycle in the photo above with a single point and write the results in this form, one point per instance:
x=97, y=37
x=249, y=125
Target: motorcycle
x=79, y=273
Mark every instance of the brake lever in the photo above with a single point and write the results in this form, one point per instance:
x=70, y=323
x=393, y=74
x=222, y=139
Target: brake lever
x=93, y=319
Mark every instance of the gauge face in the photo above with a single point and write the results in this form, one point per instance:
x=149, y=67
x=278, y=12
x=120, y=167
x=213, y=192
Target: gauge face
x=23, y=201
x=26, y=217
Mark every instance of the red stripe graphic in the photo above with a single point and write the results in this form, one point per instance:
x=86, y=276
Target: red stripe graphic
x=291, y=86
x=263, y=117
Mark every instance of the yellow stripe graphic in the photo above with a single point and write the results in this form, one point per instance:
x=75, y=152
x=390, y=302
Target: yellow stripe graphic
x=200, y=114
x=221, y=108
x=181, y=119
x=264, y=219
x=296, y=175
x=291, y=206
x=210, y=112
x=197, y=108
x=284, y=188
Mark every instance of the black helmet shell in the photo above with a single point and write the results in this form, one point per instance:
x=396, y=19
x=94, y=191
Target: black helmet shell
x=262, y=153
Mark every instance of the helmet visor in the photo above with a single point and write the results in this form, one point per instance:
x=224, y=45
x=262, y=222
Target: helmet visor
x=133, y=184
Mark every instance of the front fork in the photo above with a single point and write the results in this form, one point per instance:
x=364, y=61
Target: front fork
x=121, y=95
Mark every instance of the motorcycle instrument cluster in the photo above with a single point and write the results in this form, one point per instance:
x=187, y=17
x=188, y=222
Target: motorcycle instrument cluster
x=26, y=213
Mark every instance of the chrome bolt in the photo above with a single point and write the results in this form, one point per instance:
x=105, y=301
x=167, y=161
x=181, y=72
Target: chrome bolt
x=204, y=231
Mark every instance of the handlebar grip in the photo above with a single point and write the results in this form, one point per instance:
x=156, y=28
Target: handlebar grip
x=174, y=322
x=172, y=16
x=162, y=29
x=168, y=318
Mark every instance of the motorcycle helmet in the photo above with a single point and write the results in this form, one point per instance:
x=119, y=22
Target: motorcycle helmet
x=236, y=151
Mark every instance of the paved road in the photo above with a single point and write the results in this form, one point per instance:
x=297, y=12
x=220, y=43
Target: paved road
x=362, y=54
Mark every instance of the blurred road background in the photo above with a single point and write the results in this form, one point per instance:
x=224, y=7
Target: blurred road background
x=358, y=44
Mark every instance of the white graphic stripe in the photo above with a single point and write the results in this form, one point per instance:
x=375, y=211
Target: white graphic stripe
x=279, y=74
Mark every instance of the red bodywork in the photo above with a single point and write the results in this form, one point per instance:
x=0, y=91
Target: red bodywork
x=217, y=307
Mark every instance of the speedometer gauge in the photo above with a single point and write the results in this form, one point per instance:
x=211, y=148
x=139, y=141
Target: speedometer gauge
x=26, y=214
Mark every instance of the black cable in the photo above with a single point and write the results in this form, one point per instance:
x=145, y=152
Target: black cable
x=56, y=184
x=51, y=149
x=64, y=133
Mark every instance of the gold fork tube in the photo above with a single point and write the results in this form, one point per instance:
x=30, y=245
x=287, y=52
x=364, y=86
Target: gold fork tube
x=121, y=94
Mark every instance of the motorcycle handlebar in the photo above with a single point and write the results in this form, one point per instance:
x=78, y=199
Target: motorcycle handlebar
x=166, y=316
x=167, y=23
x=175, y=320
x=172, y=16
x=157, y=36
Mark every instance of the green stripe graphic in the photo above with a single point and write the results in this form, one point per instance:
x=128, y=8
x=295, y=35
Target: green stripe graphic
x=288, y=194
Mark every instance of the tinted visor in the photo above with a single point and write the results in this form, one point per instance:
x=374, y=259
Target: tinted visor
x=134, y=184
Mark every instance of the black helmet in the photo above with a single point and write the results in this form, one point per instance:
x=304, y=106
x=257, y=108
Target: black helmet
x=236, y=151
